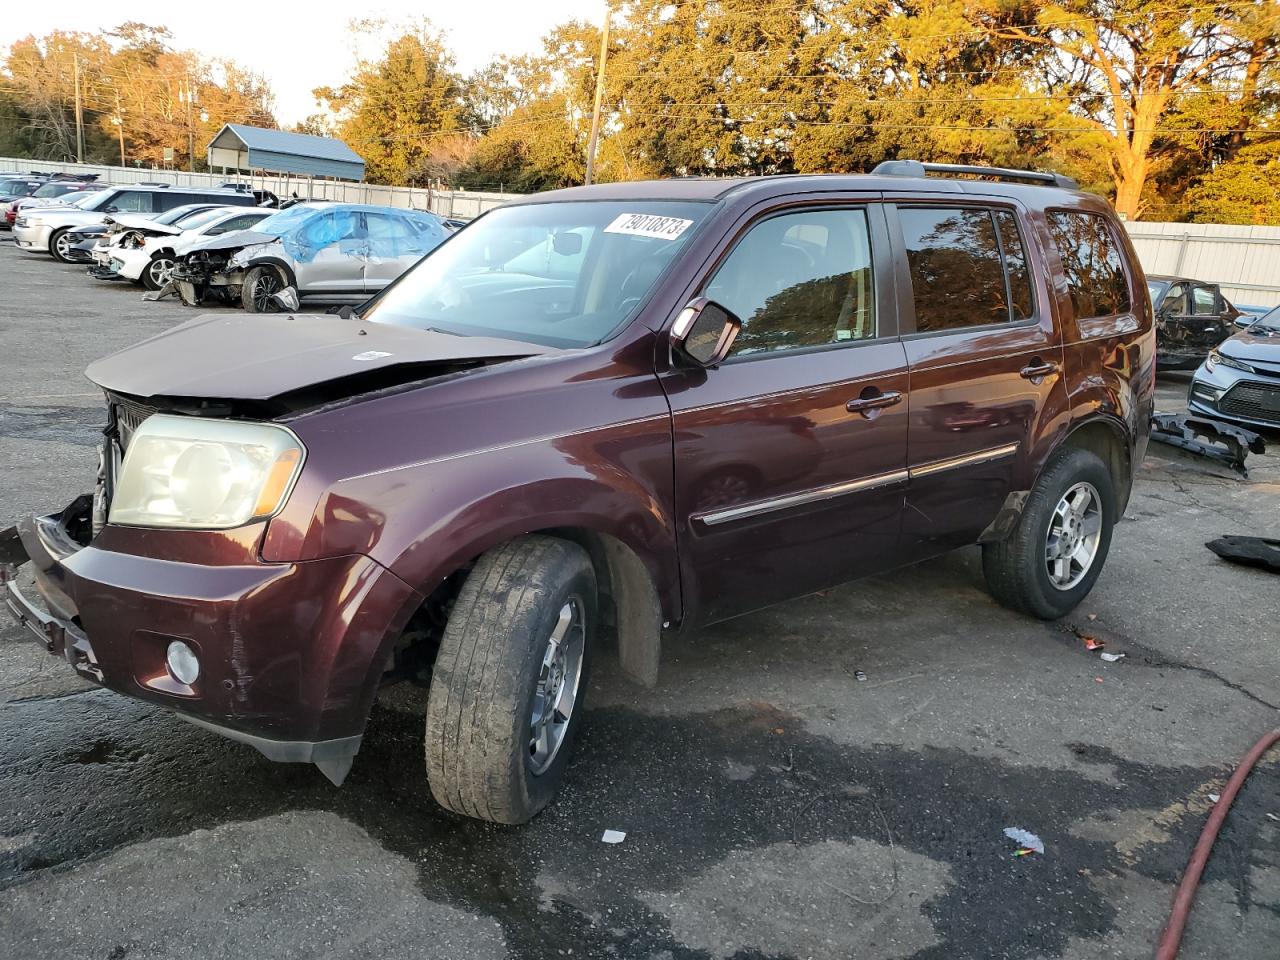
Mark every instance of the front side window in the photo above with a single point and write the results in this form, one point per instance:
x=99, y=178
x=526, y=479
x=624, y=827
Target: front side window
x=958, y=271
x=1204, y=301
x=564, y=274
x=1091, y=261
x=798, y=280
x=131, y=201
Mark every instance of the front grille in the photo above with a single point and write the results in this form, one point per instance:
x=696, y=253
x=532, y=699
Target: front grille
x=1254, y=401
x=129, y=416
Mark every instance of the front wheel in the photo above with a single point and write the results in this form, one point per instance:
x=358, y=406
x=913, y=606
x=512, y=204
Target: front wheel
x=1054, y=556
x=260, y=283
x=60, y=245
x=158, y=272
x=509, y=680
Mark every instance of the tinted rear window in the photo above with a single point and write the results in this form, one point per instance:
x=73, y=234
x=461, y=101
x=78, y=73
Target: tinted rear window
x=1091, y=262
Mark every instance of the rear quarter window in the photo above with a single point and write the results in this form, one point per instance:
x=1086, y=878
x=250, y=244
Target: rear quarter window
x=1091, y=263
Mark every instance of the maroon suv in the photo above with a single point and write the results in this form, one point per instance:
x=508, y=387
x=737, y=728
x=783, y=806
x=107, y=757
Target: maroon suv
x=604, y=413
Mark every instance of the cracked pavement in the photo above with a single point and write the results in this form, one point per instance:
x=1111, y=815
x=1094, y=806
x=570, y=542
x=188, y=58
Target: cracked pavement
x=774, y=804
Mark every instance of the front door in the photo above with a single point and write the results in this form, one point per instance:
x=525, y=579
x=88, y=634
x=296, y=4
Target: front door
x=394, y=245
x=790, y=457
x=329, y=253
x=984, y=356
x=1193, y=320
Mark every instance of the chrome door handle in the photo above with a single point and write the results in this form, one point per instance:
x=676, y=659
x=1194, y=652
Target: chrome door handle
x=874, y=402
x=1037, y=370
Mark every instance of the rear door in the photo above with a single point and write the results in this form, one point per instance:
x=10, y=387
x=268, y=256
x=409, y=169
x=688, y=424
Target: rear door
x=984, y=356
x=790, y=457
x=329, y=253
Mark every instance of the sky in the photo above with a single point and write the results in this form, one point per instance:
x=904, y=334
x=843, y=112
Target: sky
x=297, y=52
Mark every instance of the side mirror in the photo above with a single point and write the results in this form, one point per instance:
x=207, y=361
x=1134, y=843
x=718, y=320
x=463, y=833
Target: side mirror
x=704, y=332
x=112, y=209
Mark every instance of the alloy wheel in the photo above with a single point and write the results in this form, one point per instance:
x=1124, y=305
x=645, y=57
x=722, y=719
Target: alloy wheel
x=267, y=284
x=556, y=694
x=63, y=246
x=161, y=269
x=1075, y=530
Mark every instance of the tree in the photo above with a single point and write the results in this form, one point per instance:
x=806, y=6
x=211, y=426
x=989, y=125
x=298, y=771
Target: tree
x=1245, y=189
x=1125, y=64
x=393, y=107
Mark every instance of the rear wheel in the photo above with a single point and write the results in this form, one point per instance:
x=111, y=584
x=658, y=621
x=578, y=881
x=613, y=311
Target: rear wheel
x=508, y=683
x=158, y=272
x=259, y=284
x=1054, y=556
x=60, y=245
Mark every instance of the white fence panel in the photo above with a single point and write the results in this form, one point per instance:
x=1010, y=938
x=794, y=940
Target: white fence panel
x=447, y=203
x=1244, y=260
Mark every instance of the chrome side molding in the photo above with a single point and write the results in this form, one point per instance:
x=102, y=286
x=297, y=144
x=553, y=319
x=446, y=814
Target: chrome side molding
x=876, y=481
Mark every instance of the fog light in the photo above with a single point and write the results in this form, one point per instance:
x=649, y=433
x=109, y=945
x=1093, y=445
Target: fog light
x=183, y=665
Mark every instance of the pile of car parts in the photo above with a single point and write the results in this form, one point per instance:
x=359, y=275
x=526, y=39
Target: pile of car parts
x=1213, y=439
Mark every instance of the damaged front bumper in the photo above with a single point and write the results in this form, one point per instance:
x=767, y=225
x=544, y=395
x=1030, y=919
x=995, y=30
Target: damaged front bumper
x=286, y=650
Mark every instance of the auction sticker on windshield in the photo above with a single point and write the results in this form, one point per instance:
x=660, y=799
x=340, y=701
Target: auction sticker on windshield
x=647, y=225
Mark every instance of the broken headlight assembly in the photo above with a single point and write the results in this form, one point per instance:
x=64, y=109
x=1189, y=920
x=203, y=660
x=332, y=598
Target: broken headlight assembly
x=1216, y=358
x=197, y=474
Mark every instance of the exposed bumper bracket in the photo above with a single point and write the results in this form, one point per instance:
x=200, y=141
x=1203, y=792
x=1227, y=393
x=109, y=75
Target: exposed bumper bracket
x=1224, y=442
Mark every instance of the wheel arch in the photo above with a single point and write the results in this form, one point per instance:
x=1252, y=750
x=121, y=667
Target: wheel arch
x=1109, y=442
x=1103, y=436
x=280, y=266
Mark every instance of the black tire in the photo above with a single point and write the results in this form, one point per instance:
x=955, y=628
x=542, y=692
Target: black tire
x=57, y=240
x=1016, y=569
x=479, y=754
x=259, y=284
x=157, y=263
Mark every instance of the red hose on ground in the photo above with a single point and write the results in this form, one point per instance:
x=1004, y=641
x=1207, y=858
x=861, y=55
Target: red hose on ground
x=1186, y=892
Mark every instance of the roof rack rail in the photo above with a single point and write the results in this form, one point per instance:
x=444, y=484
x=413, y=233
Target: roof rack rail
x=914, y=168
x=151, y=183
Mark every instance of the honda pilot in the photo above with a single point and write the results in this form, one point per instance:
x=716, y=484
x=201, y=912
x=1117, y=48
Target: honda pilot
x=598, y=418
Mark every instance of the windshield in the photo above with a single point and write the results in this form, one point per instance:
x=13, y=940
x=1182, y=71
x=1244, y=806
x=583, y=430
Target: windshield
x=91, y=201
x=558, y=274
x=1155, y=288
x=278, y=224
x=1269, y=320
x=56, y=189
x=194, y=219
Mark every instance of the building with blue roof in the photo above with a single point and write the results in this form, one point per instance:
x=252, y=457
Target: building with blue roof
x=256, y=149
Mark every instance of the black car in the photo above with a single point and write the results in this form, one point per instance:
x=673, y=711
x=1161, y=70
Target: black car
x=1192, y=317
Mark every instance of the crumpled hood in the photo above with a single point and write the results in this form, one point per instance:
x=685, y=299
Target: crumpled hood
x=140, y=221
x=1255, y=343
x=257, y=357
x=233, y=241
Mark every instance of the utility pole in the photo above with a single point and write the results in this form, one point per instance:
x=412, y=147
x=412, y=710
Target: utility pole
x=191, y=132
x=120, y=127
x=595, y=113
x=79, y=113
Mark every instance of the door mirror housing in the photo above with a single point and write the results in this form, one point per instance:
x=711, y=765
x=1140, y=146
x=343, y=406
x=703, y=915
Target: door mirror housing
x=704, y=333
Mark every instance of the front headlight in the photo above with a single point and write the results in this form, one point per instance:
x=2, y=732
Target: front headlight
x=202, y=474
x=1216, y=358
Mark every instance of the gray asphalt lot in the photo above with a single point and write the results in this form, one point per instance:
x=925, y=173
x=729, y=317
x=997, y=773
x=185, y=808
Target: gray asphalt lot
x=774, y=805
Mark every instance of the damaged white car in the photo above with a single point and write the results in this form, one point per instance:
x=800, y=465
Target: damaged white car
x=146, y=251
x=320, y=252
